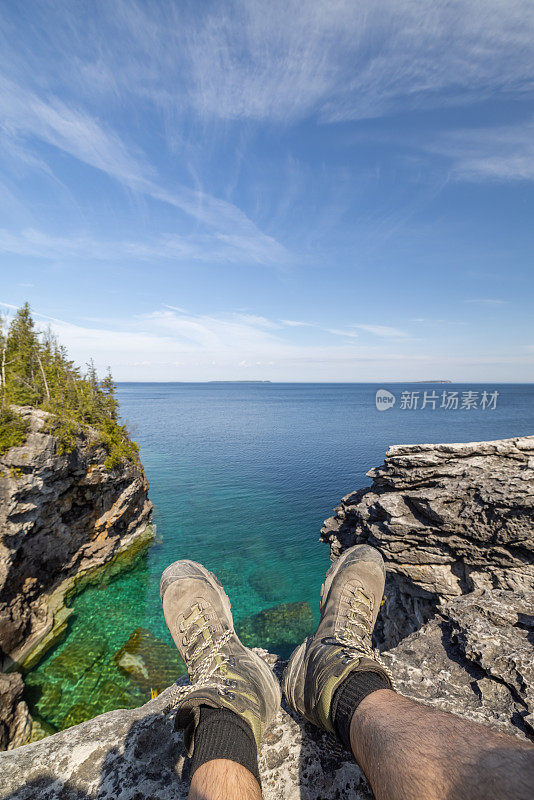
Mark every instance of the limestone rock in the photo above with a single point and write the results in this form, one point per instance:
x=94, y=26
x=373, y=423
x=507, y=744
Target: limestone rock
x=455, y=524
x=15, y=721
x=136, y=754
x=62, y=518
x=474, y=658
x=448, y=519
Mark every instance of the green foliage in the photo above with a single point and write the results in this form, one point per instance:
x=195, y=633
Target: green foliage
x=119, y=446
x=35, y=370
x=65, y=429
x=13, y=430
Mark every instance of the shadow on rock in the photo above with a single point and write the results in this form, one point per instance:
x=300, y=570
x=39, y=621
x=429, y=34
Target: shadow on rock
x=112, y=756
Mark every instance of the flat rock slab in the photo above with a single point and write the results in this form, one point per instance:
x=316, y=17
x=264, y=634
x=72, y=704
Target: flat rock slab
x=135, y=754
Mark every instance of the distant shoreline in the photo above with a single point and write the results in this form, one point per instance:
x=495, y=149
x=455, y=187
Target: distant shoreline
x=383, y=383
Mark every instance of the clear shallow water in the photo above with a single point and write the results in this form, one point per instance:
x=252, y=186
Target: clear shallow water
x=242, y=476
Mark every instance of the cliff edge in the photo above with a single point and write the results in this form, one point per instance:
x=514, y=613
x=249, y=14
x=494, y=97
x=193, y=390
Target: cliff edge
x=454, y=523
x=63, y=517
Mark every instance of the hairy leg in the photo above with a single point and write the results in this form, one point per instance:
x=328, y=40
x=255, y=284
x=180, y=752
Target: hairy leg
x=409, y=751
x=222, y=779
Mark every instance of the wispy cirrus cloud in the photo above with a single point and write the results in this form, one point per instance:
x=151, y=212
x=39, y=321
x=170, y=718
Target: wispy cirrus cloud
x=380, y=330
x=487, y=301
x=205, y=248
x=503, y=152
x=339, y=60
x=385, y=331
x=25, y=117
x=167, y=345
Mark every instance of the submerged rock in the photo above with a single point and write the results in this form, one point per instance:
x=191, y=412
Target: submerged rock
x=149, y=661
x=270, y=584
x=277, y=627
x=82, y=680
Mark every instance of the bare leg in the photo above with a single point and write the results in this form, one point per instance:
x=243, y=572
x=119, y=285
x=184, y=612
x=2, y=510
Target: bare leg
x=409, y=751
x=221, y=779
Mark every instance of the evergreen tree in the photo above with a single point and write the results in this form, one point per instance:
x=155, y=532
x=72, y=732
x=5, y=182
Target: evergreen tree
x=36, y=370
x=22, y=383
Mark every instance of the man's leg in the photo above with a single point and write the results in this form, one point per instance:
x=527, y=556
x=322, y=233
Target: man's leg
x=233, y=695
x=409, y=751
x=221, y=779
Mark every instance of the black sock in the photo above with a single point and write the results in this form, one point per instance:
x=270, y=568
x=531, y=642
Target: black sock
x=348, y=697
x=222, y=734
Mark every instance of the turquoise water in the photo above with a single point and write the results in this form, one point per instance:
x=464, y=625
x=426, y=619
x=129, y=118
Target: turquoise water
x=242, y=477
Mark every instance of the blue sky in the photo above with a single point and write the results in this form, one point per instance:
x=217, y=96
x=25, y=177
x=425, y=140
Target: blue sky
x=318, y=190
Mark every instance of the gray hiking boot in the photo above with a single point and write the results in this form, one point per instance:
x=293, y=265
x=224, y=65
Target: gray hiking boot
x=223, y=673
x=350, y=601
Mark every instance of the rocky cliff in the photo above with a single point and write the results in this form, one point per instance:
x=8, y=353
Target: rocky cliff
x=62, y=518
x=454, y=523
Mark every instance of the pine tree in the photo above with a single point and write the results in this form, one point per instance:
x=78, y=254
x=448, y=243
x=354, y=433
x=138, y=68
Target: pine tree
x=36, y=370
x=21, y=362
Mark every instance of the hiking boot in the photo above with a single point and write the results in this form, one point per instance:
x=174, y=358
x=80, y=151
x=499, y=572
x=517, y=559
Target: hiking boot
x=223, y=673
x=350, y=601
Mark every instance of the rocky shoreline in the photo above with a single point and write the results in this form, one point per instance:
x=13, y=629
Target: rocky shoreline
x=455, y=526
x=64, y=518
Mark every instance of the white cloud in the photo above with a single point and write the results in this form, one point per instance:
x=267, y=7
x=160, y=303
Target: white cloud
x=337, y=59
x=486, y=301
x=346, y=60
x=503, y=152
x=26, y=117
x=194, y=247
x=380, y=330
x=165, y=345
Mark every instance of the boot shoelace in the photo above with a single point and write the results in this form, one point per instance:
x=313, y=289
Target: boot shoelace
x=355, y=637
x=209, y=671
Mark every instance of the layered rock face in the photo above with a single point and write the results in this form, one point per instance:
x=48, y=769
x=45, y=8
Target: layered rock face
x=15, y=721
x=62, y=517
x=455, y=524
x=457, y=631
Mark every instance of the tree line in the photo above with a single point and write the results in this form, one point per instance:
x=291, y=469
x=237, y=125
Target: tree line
x=35, y=370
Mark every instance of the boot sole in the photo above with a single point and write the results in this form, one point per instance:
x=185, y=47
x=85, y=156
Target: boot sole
x=289, y=678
